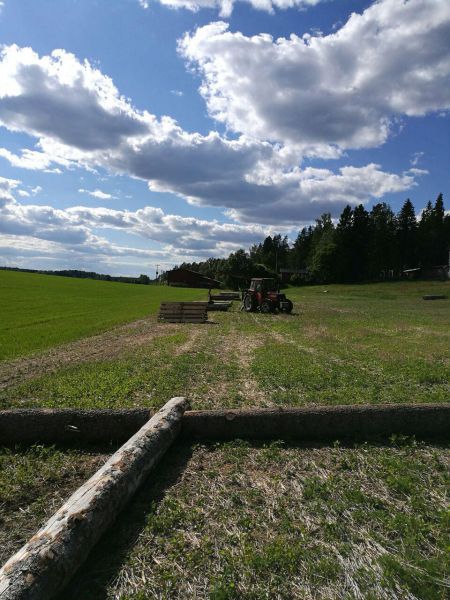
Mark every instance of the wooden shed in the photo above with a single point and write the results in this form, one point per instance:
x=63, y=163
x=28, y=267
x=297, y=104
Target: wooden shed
x=188, y=278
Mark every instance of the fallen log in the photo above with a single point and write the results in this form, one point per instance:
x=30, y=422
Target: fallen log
x=309, y=423
x=323, y=423
x=70, y=425
x=41, y=568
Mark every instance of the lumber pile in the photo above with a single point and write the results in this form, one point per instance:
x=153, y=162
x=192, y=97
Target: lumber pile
x=183, y=312
x=226, y=296
x=223, y=306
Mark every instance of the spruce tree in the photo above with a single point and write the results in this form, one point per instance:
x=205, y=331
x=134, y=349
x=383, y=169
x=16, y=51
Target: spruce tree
x=344, y=245
x=381, y=251
x=406, y=235
x=360, y=239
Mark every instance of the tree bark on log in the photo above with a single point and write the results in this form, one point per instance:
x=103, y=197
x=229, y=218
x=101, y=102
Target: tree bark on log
x=322, y=423
x=41, y=568
x=309, y=423
x=70, y=425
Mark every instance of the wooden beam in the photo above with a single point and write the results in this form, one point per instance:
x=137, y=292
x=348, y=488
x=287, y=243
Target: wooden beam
x=41, y=568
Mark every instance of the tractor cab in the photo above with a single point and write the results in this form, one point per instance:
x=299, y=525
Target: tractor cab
x=264, y=295
x=263, y=284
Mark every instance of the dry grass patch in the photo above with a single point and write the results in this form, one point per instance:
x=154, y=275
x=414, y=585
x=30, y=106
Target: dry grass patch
x=223, y=376
x=282, y=522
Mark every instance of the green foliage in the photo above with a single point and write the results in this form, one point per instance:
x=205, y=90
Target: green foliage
x=364, y=246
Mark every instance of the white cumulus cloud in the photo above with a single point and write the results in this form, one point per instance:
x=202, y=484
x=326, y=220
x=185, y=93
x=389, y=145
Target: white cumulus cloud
x=97, y=194
x=328, y=93
x=225, y=7
x=79, y=118
x=71, y=230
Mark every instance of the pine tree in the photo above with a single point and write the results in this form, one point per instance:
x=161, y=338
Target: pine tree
x=441, y=241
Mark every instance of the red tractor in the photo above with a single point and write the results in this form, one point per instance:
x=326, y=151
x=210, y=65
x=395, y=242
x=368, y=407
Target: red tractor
x=264, y=295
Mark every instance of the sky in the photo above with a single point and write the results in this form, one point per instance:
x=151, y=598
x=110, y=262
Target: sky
x=136, y=135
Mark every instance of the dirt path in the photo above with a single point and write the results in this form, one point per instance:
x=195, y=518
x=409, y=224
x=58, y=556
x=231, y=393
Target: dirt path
x=104, y=346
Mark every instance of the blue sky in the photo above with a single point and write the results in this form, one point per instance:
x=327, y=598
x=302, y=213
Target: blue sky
x=138, y=133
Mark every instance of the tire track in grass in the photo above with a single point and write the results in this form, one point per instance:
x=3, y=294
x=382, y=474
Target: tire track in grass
x=220, y=362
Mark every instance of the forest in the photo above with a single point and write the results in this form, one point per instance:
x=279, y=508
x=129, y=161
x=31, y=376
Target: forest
x=361, y=246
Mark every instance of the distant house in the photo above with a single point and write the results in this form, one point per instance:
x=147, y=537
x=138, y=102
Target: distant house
x=188, y=278
x=286, y=274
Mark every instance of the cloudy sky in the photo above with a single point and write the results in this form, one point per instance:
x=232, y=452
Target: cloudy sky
x=135, y=133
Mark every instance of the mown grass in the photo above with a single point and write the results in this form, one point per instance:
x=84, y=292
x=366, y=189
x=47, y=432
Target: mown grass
x=273, y=521
x=41, y=311
x=34, y=482
x=343, y=345
x=356, y=344
x=276, y=521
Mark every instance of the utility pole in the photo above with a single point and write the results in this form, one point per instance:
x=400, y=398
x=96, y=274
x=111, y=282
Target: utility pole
x=157, y=270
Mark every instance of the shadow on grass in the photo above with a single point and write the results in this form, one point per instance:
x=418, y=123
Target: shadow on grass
x=105, y=561
x=107, y=557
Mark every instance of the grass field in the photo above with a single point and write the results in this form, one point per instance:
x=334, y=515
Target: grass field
x=235, y=521
x=41, y=311
x=229, y=521
x=342, y=345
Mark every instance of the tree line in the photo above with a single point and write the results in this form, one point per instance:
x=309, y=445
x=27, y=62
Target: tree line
x=142, y=279
x=361, y=246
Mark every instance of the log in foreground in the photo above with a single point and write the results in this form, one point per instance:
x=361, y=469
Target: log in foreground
x=42, y=567
x=322, y=423
x=308, y=423
x=70, y=425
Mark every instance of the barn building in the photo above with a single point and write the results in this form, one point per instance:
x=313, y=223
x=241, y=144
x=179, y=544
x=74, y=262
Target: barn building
x=188, y=278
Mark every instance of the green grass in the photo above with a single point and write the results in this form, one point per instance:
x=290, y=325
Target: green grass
x=276, y=521
x=356, y=344
x=34, y=483
x=41, y=311
x=353, y=344
x=232, y=520
x=147, y=377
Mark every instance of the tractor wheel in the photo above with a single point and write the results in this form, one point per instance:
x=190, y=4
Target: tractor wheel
x=289, y=307
x=266, y=307
x=249, y=303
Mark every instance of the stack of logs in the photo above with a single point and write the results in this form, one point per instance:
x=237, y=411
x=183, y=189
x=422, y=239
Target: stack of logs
x=183, y=312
